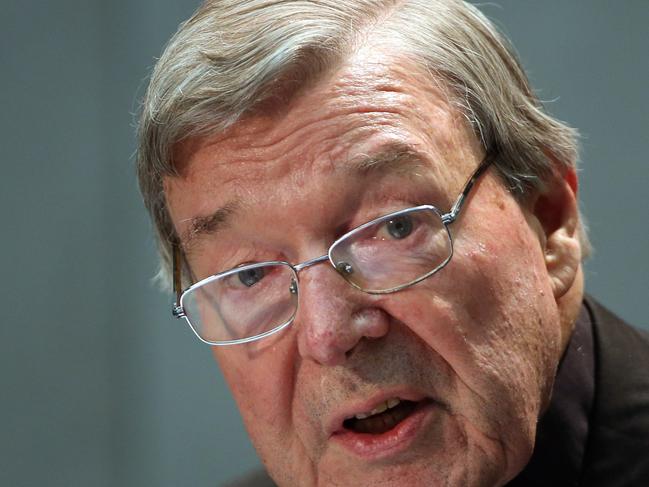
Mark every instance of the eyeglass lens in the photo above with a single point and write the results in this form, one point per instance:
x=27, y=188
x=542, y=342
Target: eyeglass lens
x=394, y=251
x=242, y=304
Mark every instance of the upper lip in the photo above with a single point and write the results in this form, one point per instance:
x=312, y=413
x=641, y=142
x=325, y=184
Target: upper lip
x=349, y=409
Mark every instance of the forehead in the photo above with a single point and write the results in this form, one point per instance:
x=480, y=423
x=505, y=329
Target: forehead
x=373, y=102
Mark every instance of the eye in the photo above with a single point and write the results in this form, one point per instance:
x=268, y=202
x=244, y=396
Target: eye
x=250, y=277
x=399, y=227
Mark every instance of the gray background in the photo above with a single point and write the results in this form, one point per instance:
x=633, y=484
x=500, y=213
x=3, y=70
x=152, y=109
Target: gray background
x=99, y=385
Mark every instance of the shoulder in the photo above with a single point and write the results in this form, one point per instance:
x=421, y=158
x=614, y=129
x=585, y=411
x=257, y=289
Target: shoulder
x=617, y=339
x=618, y=445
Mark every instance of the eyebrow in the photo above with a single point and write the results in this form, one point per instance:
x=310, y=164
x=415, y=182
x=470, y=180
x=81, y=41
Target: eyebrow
x=392, y=158
x=210, y=224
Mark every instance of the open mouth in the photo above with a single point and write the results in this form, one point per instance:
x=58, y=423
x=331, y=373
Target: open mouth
x=389, y=429
x=382, y=418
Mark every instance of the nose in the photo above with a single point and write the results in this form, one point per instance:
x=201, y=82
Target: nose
x=333, y=317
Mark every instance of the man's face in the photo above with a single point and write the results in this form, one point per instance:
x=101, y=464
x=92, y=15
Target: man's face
x=470, y=352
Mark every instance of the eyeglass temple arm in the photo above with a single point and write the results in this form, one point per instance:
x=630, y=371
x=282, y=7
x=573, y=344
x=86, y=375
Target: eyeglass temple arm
x=459, y=202
x=177, y=310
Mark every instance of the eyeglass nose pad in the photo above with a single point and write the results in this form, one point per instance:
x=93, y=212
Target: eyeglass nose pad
x=344, y=268
x=293, y=287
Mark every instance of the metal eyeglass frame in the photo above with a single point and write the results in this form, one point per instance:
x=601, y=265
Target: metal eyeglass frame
x=446, y=218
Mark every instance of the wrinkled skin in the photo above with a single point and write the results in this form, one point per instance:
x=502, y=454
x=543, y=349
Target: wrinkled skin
x=482, y=338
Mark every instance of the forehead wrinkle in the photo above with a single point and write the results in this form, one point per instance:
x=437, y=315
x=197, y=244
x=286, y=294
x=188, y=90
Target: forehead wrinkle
x=317, y=145
x=353, y=93
x=290, y=136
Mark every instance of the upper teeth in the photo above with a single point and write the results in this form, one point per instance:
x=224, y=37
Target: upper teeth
x=384, y=406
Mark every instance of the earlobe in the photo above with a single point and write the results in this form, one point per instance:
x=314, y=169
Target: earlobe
x=562, y=260
x=555, y=208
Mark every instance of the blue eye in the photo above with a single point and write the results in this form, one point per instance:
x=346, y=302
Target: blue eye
x=399, y=227
x=250, y=277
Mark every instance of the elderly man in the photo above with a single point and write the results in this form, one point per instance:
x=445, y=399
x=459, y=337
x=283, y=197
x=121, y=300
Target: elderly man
x=368, y=215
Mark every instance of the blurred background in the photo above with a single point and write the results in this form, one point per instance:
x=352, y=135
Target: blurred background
x=99, y=385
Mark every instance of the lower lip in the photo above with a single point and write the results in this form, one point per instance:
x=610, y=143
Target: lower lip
x=398, y=439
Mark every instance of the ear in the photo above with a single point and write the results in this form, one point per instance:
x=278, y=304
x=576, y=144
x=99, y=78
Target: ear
x=555, y=209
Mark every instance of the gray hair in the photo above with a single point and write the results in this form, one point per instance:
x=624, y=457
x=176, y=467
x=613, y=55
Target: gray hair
x=233, y=58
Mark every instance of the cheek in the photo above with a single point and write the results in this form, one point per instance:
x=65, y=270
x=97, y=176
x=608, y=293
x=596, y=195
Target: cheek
x=518, y=317
x=259, y=375
x=513, y=335
x=490, y=315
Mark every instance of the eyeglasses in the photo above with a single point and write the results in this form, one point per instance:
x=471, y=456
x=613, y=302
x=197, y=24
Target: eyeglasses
x=382, y=256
